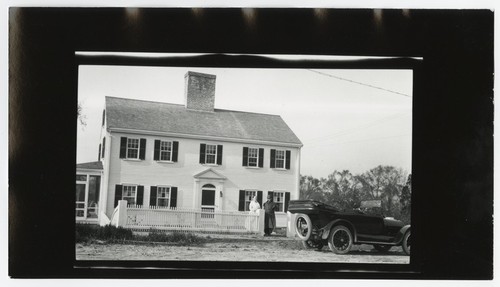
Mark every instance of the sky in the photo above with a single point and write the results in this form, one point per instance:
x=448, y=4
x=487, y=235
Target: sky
x=347, y=119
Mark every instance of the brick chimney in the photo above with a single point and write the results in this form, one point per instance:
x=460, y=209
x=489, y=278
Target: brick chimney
x=199, y=91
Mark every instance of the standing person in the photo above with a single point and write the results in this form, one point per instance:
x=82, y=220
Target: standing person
x=254, y=205
x=269, y=217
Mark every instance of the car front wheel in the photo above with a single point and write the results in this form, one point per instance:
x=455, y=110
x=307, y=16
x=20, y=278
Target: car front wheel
x=310, y=244
x=340, y=240
x=407, y=242
x=303, y=226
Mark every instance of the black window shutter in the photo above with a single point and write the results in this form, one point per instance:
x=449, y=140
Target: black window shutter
x=245, y=156
x=99, y=153
x=173, y=196
x=259, y=197
x=103, y=146
x=273, y=155
x=219, y=154
x=261, y=157
x=202, y=152
x=175, y=150
x=156, y=155
x=140, y=195
x=123, y=147
x=152, y=196
x=103, y=117
x=287, y=200
x=142, y=149
x=287, y=161
x=241, y=205
x=118, y=193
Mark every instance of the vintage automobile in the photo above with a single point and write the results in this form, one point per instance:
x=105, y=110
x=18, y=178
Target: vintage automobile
x=318, y=224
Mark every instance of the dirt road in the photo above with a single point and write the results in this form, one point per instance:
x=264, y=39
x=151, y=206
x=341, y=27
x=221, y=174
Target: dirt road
x=248, y=249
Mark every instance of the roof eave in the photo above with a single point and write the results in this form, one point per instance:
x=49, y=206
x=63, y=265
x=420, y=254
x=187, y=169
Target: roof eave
x=204, y=137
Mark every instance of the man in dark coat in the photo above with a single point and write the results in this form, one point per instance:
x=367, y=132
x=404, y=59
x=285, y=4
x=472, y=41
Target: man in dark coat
x=269, y=217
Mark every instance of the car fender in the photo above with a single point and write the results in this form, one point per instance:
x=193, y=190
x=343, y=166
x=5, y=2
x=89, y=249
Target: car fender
x=401, y=233
x=328, y=228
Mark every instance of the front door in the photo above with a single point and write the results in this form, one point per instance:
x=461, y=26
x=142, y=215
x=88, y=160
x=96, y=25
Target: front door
x=207, y=201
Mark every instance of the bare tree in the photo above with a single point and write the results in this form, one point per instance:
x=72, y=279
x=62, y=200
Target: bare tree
x=82, y=119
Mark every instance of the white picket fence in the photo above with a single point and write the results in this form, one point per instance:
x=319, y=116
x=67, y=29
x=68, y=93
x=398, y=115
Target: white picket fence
x=175, y=219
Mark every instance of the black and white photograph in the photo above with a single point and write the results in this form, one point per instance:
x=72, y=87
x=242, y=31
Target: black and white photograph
x=206, y=142
x=190, y=163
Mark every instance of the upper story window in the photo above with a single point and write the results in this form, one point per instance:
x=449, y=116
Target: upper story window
x=166, y=150
x=132, y=148
x=253, y=157
x=280, y=159
x=211, y=154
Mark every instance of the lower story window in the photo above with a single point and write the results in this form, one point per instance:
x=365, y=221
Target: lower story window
x=163, y=196
x=249, y=194
x=129, y=194
x=279, y=199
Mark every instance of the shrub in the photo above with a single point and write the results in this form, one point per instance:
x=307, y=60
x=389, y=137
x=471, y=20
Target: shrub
x=87, y=232
x=176, y=237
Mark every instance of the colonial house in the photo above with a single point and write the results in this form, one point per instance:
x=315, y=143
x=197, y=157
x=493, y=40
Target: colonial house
x=190, y=156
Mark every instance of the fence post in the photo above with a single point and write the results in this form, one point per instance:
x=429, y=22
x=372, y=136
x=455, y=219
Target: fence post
x=290, y=230
x=261, y=221
x=122, y=213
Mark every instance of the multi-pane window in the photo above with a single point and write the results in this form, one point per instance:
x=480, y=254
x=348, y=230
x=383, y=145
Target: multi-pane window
x=253, y=156
x=249, y=194
x=280, y=159
x=211, y=154
x=166, y=150
x=132, y=148
x=163, y=196
x=279, y=199
x=129, y=194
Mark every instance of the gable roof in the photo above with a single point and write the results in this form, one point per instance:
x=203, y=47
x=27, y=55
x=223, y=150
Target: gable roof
x=90, y=165
x=172, y=118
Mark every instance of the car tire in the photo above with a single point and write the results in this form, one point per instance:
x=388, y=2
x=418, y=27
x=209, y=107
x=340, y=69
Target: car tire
x=381, y=247
x=310, y=244
x=303, y=226
x=406, y=242
x=340, y=240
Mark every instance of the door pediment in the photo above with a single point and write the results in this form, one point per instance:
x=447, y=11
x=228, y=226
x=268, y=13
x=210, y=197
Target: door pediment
x=209, y=174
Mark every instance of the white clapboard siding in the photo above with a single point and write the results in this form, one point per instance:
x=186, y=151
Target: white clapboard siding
x=140, y=217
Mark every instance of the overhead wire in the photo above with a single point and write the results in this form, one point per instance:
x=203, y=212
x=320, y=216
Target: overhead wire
x=359, y=83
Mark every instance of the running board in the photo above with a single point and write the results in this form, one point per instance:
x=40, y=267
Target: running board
x=376, y=242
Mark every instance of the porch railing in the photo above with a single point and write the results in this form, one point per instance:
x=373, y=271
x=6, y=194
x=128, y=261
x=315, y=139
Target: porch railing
x=176, y=219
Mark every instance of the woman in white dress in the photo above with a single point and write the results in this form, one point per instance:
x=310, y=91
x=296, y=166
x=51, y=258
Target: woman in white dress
x=254, y=205
x=254, y=209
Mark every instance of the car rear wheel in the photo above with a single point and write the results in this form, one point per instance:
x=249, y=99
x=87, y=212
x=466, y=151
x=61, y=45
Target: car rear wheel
x=407, y=242
x=310, y=244
x=303, y=226
x=340, y=239
x=382, y=248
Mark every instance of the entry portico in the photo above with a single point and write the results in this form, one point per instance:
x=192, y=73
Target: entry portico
x=209, y=190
